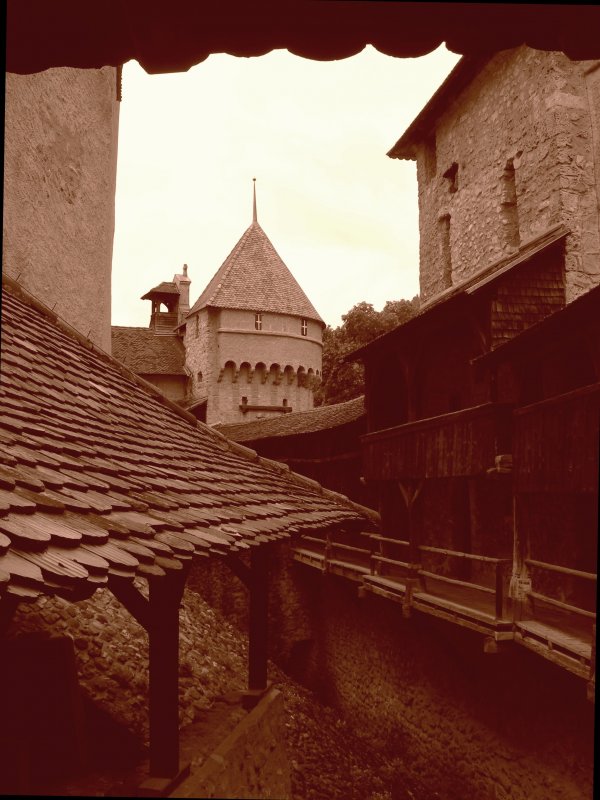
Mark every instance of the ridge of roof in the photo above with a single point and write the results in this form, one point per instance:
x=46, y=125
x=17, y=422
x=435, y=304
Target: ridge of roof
x=254, y=277
x=298, y=422
x=459, y=77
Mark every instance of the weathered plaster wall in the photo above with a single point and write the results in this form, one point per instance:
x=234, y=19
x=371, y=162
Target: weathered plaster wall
x=60, y=154
x=531, y=109
x=461, y=722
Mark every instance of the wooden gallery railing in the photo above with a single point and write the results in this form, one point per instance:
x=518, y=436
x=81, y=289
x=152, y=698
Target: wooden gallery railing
x=380, y=570
x=534, y=596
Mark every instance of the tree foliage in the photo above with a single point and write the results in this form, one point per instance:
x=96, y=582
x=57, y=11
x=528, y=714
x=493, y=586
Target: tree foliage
x=345, y=380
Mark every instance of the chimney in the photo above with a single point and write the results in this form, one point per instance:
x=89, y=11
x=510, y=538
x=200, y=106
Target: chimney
x=183, y=284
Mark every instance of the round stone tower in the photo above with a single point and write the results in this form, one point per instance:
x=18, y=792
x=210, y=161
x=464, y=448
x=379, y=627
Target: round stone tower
x=253, y=339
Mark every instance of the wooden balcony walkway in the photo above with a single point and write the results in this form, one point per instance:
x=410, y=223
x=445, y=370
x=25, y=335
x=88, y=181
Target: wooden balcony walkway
x=558, y=636
x=563, y=638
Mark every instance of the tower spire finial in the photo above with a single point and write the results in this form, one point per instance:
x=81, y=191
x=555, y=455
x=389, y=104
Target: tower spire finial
x=254, y=218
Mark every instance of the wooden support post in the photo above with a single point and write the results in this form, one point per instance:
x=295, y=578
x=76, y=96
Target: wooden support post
x=163, y=633
x=259, y=610
x=410, y=493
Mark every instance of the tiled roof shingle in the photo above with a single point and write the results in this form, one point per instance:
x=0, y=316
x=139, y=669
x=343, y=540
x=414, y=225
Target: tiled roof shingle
x=254, y=277
x=100, y=474
x=142, y=351
x=316, y=419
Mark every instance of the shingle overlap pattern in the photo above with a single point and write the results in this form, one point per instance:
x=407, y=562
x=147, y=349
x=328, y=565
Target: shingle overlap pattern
x=145, y=353
x=254, y=277
x=100, y=474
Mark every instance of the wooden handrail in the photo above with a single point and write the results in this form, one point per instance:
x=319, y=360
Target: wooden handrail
x=350, y=548
x=566, y=606
x=379, y=538
x=459, y=554
x=395, y=562
x=312, y=539
x=591, y=576
x=456, y=582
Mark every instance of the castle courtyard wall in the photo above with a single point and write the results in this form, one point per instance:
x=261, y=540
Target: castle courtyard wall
x=60, y=161
x=529, y=117
x=463, y=723
x=225, y=356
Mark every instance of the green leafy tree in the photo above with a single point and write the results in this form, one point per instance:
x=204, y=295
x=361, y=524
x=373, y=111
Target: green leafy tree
x=345, y=380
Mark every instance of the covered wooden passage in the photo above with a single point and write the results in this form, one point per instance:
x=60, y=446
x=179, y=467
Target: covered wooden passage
x=104, y=483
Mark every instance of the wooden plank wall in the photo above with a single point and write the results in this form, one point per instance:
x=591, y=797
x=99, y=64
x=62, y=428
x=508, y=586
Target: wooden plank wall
x=461, y=443
x=556, y=443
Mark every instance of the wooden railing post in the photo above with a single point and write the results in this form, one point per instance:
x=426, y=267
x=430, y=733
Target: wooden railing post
x=499, y=590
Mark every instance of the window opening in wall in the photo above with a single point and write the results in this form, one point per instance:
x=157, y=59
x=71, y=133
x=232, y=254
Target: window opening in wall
x=446, y=253
x=197, y=325
x=451, y=176
x=429, y=157
x=304, y=327
x=285, y=402
x=244, y=401
x=509, y=216
x=199, y=376
x=258, y=322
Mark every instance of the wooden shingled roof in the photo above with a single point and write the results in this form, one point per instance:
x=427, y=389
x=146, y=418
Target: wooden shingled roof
x=254, y=277
x=142, y=351
x=100, y=474
x=166, y=288
x=299, y=422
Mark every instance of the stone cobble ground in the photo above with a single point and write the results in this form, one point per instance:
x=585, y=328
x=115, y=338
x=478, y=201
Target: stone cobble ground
x=329, y=760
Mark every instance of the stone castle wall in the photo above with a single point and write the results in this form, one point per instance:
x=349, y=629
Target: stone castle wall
x=461, y=722
x=60, y=160
x=518, y=148
x=266, y=367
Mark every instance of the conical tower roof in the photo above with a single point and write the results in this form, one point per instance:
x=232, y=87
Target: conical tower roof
x=253, y=277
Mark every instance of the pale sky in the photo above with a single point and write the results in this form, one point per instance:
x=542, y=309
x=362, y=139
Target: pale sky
x=341, y=214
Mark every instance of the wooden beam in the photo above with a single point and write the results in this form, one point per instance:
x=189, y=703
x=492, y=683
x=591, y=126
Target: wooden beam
x=239, y=569
x=259, y=612
x=163, y=633
x=131, y=598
